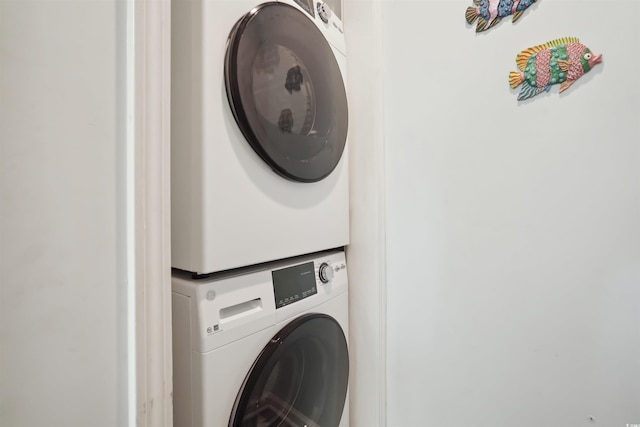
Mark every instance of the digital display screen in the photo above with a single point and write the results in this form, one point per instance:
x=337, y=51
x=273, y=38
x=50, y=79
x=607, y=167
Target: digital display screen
x=307, y=5
x=293, y=284
x=336, y=7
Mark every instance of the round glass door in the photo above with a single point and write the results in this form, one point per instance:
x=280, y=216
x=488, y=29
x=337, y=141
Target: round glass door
x=286, y=92
x=300, y=378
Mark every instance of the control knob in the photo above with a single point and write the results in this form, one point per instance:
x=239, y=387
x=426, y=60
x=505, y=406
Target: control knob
x=324, y=11
x=325, y=272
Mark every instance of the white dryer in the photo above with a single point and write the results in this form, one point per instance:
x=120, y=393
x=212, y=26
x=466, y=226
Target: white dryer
x=258, y=132
x=267, y=347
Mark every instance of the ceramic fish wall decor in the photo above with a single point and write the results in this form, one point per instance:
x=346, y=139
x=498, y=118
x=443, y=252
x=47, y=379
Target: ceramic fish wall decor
x=561, y=61
x=490, y=12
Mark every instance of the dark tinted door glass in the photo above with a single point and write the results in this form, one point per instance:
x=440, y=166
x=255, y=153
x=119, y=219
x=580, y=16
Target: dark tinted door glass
x=299, y=379
x=286, y=92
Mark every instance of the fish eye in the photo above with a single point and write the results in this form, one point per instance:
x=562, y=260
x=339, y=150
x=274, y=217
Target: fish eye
x=587, y=56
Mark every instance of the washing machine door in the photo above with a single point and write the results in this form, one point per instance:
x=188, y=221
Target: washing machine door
x=286, y=91
x=299, y=379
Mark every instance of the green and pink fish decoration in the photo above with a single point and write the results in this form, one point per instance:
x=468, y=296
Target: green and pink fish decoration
x=490, y=12
x=561, y=61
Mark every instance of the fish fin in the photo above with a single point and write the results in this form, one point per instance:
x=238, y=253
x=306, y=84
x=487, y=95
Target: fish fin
x=515, y=79
x=562, y=41
x=566, y=84
x=564, y=64
x=495, y=22
x=517, y=15
x=548, y=88
x=471, y=14
x=524, y=56
x=529, y=91
x=482, y=25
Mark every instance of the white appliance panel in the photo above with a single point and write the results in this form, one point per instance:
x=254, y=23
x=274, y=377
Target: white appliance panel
x=229, y=209
x=211, y=365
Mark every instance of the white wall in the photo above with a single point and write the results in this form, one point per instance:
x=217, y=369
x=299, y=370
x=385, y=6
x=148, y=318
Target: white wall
x=63, y=355
x=366, y=253
x=513, y=229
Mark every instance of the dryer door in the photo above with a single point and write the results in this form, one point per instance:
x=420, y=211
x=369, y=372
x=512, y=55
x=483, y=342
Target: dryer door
x=299, y=379
x=286, y=91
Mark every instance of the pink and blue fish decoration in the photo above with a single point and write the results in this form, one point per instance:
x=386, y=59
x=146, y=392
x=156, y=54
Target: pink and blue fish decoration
x=561, y=61
x=490, y=12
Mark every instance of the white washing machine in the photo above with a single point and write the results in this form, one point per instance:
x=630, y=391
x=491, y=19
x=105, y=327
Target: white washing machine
x=258, y=132
x=264, y=347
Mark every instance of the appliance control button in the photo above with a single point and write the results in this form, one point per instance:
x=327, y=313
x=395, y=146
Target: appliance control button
x=324, y=11
x=325, y=272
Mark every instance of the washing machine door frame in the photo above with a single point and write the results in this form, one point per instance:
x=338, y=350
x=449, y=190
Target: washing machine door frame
x=299, y=378
x=286, y=91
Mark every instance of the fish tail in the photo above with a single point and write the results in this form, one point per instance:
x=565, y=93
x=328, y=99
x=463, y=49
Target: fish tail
x=471, y=14
x=515, y=79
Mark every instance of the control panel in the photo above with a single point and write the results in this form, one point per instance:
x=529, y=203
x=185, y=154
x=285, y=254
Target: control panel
x=329, y=12
x=227, y=305
x=295, y=283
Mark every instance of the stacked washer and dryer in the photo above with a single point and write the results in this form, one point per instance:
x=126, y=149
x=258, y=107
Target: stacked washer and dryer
x=260, y=213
